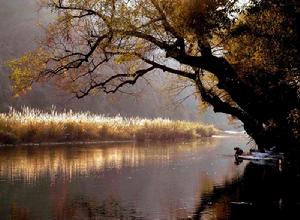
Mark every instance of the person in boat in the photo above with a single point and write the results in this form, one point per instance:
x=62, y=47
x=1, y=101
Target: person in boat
x=238, y=152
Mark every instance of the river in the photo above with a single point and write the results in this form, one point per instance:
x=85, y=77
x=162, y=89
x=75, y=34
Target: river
x=182, y=180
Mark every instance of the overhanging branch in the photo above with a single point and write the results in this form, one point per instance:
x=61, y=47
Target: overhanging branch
x=131, y=80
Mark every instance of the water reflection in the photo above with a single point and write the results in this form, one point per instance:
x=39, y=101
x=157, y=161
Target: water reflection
x=79, y=208
x=30, y=163
x=86, y=208
x=115, y=181
x=263, y=192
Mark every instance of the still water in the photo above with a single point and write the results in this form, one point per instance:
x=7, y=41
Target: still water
x=185, y=180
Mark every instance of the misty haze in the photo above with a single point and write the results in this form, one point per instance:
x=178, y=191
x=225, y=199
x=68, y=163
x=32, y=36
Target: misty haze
x=149, y=109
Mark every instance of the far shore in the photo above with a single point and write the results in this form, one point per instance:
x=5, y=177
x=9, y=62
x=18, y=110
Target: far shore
x=35, y=127
x=108, y=142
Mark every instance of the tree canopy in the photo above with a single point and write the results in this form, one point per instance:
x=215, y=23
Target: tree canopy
x=243, y=60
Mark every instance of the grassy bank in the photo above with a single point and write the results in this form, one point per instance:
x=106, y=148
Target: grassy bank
x=35, y=126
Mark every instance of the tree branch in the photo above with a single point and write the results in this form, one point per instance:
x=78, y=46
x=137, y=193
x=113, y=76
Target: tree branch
x=170, y=70
x=103, y=85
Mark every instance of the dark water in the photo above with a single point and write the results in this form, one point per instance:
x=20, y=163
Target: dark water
x=197, y=180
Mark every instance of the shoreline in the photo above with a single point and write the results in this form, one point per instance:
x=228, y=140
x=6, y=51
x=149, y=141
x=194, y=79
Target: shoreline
x=106, y=142
x=36, y=126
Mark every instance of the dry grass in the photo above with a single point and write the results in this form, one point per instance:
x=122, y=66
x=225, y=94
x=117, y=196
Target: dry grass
x=35, y=126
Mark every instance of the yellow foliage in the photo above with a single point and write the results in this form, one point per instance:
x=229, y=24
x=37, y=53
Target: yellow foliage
x=86, y=35
x=257, y=48
x=27, y=69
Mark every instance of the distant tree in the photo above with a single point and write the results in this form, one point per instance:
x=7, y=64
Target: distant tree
x=244, y=61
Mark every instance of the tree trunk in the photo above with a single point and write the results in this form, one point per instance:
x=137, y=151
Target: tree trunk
x=265, y=136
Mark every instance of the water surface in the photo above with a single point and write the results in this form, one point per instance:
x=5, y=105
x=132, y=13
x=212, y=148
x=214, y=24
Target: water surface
x=182, y=180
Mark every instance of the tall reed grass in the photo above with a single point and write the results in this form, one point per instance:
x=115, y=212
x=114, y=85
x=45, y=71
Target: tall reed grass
x=36, y=126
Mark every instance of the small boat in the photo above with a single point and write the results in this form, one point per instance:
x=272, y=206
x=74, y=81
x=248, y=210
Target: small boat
x=268, y=156
x=252, y=157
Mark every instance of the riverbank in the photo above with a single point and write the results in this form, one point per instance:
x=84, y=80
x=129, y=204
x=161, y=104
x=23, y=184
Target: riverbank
x=35, y=126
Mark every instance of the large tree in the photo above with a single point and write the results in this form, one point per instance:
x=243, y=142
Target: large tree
x=244, y=61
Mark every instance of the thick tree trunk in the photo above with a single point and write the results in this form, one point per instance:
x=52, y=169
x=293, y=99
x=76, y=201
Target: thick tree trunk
x=265, y=136
x=263, y=109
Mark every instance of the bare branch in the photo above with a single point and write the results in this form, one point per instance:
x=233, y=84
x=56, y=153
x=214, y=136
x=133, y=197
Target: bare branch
x=103, y=85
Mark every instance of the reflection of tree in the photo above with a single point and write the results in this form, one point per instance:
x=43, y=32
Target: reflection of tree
x=210, y=201
x=86, y=208
x=263, y=192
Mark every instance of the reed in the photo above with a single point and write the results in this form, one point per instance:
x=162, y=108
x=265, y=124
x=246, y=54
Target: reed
x=36, y=126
